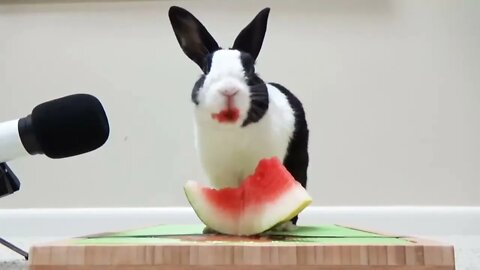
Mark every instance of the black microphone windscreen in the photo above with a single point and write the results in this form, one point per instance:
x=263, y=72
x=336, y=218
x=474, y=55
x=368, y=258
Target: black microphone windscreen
x=70, y=125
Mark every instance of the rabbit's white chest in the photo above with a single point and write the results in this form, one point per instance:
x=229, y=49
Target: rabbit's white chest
x=228, y=155
x=227, y=163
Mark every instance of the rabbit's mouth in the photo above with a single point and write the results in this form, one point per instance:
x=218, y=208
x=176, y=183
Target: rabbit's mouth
x=231, y=113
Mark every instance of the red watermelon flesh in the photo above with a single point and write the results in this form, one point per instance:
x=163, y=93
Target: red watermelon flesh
x=264, y=199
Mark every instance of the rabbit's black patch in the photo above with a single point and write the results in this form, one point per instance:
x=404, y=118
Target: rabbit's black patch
x=248, y=64
x=207, y=63
x=258, y=104
x=297, y=158
x=258, y=90
x=196, y=88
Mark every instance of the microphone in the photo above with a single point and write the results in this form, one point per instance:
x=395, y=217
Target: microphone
x=60, y=128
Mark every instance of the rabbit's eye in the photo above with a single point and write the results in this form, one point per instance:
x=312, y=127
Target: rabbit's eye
x=249, y=68
x=206, y=67
x=248, y=63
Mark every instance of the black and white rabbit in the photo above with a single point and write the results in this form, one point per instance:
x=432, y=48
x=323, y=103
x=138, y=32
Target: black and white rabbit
x=239, y=118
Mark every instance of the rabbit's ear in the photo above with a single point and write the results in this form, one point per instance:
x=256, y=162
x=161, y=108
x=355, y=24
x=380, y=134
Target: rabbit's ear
x=194, y=39
x=250, y=39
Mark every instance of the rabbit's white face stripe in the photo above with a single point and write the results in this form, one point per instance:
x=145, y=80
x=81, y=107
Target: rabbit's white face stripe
x=226, y=63
x=229, y=153
x=225, y=76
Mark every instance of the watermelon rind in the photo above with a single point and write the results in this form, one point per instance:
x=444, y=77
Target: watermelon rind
x=254, y=219
x=206, y=212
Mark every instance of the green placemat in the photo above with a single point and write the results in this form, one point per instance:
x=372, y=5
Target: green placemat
x=302, y=231
x=173, y=240
x=124, y=240
x=325, y=231
x=189, y=234
x=161, y=230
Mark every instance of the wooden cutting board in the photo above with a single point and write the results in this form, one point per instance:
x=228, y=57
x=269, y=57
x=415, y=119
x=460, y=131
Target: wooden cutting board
x=184, y=247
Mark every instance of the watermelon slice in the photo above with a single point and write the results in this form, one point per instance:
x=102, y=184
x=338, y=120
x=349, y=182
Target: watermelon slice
x=268, y=197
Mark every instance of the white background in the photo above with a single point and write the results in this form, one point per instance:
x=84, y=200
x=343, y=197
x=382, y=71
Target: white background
x=391, y=90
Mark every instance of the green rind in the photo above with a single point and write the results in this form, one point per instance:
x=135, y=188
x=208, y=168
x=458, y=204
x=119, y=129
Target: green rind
x=189, y=195
x=194, y=196
x=297, y=211
x=293, y=214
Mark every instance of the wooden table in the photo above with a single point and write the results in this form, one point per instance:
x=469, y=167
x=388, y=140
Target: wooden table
x=184, y=247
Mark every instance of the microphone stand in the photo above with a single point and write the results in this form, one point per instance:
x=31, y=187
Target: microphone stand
x=9, y=184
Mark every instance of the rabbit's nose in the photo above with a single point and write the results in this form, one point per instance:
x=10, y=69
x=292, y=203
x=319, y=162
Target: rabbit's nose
x=229, y=92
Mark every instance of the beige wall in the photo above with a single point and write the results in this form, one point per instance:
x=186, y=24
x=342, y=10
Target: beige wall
x=391, y=89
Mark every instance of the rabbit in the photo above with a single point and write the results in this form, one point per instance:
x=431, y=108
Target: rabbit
x=239, y=118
